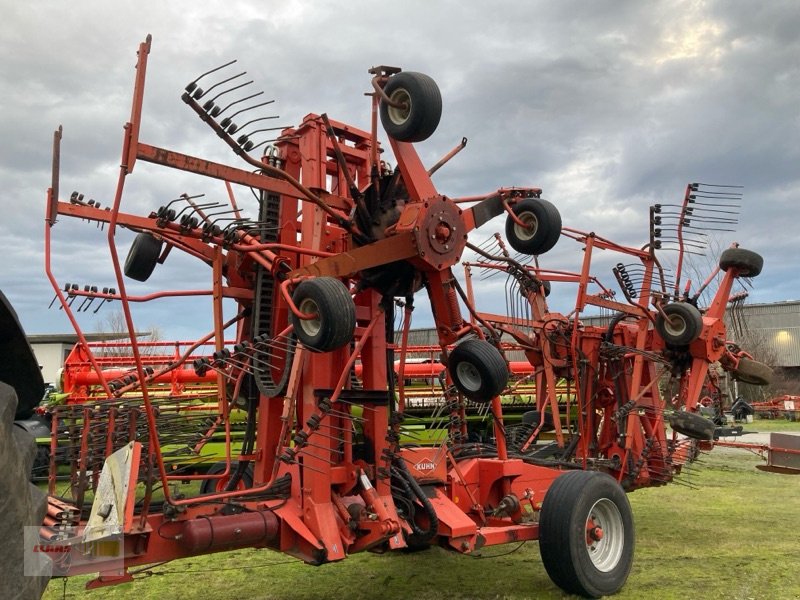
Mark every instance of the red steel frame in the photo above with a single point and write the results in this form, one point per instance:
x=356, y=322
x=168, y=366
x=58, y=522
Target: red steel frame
x=632, y=438
x=339, y=498
x=310, y=524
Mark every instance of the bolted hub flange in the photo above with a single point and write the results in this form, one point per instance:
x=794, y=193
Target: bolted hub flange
x=440, y=233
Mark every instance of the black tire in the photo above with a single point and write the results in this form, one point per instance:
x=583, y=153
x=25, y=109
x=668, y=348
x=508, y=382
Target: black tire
x=692, y=425
x=335, y=323
x=41, y=463
x=746, y=262
x=532, y=417
x=210, y=486
x=478, y=370
x=24, y=505
x=143, y=256
x=544, y=226
x=752, y=372
x=684, y=325
x=19, y=367
x=546, y=288
x=420, y=118
x=576, y=501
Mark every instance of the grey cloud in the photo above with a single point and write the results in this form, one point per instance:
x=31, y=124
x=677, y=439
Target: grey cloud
x=608, y=106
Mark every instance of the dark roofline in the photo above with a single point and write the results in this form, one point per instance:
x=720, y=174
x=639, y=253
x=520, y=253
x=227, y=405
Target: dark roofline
x=72, y=338
x=778, y=303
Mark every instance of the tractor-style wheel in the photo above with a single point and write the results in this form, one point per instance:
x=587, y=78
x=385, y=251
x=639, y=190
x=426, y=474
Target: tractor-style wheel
x=210, y=486
x=143, y=256
x=24, y=505
x=692, y=425
x=335, y=314
x=419, y=116
x=752, y=372
x=746, y=262
x=542, y=226
x=683, y=324
x=478, y=370
x=586, y=535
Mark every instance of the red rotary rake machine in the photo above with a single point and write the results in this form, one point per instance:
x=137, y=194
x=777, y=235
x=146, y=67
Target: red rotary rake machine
x=339, y=241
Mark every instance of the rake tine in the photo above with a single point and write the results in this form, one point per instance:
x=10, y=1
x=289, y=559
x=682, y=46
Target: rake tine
x=193, y=84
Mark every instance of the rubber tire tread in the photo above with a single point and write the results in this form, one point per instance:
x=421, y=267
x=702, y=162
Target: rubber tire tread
x=143, y=256
x=337, y=313
x=694, y=323
x=556, y=533
x=548, y=232
x=426, y=107
x=19, y=367
x=748, y=263
x=753, y=372
x=692, y=425
x=488, y=361
x=24, y=504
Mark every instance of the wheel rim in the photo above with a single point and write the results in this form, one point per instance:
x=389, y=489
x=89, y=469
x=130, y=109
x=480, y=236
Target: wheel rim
x=531, y=226
x=605, y=535
x=223, y=483
x=468, y=376
x=675, y=325
x=399, y=115
x=311, y=326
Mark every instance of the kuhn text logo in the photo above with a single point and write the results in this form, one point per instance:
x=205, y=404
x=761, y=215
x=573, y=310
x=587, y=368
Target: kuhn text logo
x=425, y=466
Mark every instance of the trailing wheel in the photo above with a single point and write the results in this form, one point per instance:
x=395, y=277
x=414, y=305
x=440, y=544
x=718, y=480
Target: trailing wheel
x=586, y=534
x=334, y=314
x=746, y=262
x=478, y=370
x=692, y=425
x=541, y=230
x=682, y=325
x=419, y=110
x=143, y=256
x=210, y=486
x=752, y=372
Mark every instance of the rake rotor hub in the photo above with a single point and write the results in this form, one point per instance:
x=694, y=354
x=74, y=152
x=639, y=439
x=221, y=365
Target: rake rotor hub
x=439, y=232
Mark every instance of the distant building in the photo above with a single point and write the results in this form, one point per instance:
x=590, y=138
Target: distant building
x=777, y=325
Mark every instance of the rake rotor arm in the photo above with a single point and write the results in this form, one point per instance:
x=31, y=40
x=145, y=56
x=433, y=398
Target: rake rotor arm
x=382, y=252
x=275, y=172
x=136, y=223
x=276, y=181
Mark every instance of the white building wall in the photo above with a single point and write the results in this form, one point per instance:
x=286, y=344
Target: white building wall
x=51, y=358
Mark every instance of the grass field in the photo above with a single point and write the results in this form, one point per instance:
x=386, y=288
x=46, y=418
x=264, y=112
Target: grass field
x=726, y=530
x=773, y=425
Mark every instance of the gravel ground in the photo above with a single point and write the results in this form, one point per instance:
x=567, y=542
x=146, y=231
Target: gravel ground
x=756, y=438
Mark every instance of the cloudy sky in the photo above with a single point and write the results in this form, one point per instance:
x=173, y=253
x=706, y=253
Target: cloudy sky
x=608, y=106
